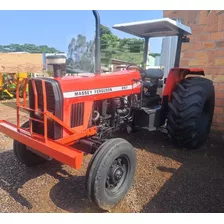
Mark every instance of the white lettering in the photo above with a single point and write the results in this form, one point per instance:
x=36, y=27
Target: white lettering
x=99, y=91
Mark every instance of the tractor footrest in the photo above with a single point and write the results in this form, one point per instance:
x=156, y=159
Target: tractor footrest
x=67, y=155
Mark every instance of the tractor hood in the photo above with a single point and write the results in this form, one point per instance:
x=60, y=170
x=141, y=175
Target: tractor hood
x=103, y=86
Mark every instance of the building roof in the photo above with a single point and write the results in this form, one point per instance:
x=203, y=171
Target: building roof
x=119, y=62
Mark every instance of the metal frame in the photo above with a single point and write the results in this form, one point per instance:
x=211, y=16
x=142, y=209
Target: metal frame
x=170, y=28
x=145, y=55
x=175, y=26
x=59, y=149
x=65, y=154
x=180, y=39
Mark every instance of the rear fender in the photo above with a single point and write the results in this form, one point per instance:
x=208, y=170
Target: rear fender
x=176, y=75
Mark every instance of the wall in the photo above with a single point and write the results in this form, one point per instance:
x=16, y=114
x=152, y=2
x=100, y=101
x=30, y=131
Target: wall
x=151, y=61
x=205, y=50
x=19, y=62
x=157, y=61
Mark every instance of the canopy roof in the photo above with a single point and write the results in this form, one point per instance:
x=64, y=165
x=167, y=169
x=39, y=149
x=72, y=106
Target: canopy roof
x=154, y=28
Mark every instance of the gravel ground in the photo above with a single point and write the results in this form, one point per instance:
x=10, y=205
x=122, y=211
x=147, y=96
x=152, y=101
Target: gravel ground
x=167, y=179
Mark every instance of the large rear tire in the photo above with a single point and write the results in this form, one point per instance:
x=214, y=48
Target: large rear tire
x=190, y=112
x=110, y=173
x=24, y=155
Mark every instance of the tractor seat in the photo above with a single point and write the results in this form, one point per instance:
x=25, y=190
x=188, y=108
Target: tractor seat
x=154, y=73
x=148, y=85
x=150, y=88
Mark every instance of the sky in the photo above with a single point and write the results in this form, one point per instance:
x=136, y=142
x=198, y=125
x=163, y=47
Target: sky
x=56, y=28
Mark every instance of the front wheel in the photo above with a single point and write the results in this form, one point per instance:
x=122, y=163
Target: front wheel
x=110, y=173
x=190, y=112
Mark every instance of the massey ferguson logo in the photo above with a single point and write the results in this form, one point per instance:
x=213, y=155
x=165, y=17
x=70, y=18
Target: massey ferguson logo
x=99, y=91
x=92, y=92
x=105, y=90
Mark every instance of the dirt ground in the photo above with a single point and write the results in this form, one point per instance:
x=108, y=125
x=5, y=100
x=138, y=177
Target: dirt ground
x=167, y=179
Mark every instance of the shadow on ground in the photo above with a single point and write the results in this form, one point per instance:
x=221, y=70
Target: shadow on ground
x=68, y=193
x=197, y=186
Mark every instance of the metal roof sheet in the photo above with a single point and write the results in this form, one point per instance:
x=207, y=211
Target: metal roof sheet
x=154, y=28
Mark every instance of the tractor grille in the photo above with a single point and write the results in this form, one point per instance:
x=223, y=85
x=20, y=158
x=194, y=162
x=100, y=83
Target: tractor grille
x=77, y=114
x=54, y=106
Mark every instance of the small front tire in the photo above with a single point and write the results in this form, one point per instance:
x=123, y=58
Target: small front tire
x=110, y=173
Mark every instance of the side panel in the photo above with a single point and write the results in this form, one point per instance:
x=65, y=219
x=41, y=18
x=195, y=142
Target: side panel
x=85, y=90
x=77, y=114
x=174, y=77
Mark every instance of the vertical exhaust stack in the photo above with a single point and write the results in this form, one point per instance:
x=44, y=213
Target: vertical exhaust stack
x=97, y=44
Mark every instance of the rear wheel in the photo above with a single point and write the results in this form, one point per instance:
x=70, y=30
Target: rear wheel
x=190, y=112
x=110, y=173
x=24, y=155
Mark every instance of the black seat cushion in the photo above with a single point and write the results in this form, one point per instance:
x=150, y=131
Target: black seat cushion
x=154, y=73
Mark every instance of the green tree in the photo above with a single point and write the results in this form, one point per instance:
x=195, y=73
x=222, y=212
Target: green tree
x=104, y=30
x=81, y=54
x=29, y=48
x=127, y=49
x=81, y=51
x=109, y=47
x=71, y=48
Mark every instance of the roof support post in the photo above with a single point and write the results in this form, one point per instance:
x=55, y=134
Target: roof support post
x=178, y=51
x=146, y=48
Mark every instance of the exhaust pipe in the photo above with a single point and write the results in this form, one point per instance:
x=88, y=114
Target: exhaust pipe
x=97, y=44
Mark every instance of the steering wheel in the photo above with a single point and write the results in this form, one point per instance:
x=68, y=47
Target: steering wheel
x=132, y=66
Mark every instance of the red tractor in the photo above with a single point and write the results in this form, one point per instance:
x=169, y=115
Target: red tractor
x=70, y=116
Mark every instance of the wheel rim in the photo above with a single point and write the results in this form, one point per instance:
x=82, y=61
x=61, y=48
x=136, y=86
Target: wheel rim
x=117, y=175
